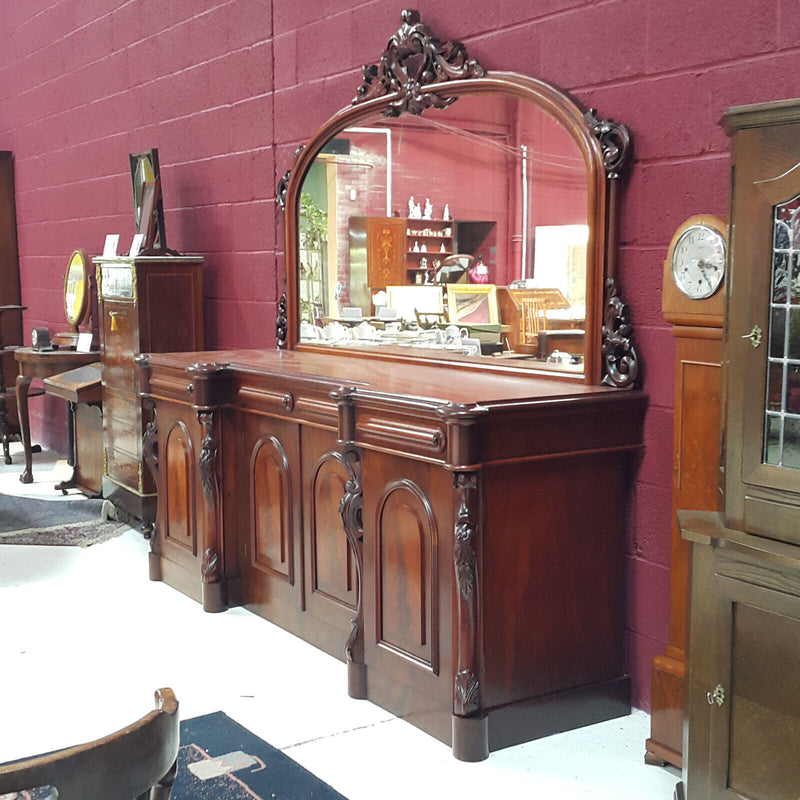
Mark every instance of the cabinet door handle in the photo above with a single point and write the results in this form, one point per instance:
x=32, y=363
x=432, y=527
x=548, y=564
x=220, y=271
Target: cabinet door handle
x=754, y=336
x=717, y=696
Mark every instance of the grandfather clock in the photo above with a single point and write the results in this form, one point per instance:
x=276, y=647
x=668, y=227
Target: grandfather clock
x=692, y=301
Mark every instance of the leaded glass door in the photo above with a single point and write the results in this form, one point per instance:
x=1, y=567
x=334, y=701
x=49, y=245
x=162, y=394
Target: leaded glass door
x=760, y=471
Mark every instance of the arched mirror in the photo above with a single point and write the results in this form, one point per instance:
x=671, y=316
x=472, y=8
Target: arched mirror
x=76, y=289
x=458, y=215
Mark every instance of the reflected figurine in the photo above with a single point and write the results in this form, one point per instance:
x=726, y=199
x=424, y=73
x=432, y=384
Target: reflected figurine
x=428, y=209
x=446, y=212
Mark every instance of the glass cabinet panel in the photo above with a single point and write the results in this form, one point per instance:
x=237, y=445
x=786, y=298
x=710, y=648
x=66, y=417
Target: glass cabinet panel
x=782, y=422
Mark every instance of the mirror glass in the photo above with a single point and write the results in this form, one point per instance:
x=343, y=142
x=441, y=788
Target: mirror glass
x=75, y=288
x=464, y=229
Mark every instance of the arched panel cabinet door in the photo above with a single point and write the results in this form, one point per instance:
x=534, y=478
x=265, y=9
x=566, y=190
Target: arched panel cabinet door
x=332, y=571
x=271, y=538
x=179, y=522
x=268, y=518
x=406, y=575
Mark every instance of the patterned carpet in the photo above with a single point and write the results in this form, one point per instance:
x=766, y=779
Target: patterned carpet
x=75, y=522
x=221, y=759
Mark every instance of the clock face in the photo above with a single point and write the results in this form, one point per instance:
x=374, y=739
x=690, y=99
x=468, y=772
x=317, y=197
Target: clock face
x=698, y=261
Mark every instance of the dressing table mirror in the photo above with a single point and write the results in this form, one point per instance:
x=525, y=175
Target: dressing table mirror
x=384, y=484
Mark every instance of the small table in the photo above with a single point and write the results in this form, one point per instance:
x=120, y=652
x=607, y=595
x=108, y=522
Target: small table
x=42, y=364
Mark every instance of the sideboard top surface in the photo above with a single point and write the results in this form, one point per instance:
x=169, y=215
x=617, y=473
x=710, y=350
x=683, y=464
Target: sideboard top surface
x=368, y=376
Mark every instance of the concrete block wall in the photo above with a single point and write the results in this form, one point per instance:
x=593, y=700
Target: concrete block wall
x=227, y=89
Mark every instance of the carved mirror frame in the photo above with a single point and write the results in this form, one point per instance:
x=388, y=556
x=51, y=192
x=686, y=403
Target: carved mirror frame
x=77, y=289
x=418, y=72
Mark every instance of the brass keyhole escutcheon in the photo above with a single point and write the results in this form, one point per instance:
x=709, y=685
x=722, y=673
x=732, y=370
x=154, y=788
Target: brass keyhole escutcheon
x=717, y=696
x=754, y=336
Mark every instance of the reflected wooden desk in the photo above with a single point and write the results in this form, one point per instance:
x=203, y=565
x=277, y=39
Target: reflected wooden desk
x=41, y=364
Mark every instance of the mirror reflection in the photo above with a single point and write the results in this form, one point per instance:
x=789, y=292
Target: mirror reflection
x=464, y=229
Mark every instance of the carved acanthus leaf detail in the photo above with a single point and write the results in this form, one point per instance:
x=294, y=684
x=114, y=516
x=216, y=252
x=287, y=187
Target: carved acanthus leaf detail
x=207, y=460
x=413, y=60
x=210, y=566
x=464, y=553
x=466, y=689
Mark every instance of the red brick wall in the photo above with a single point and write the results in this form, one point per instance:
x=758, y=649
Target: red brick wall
x=227, y=89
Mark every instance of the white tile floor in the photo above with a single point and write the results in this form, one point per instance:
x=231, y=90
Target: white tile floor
x=85, y=638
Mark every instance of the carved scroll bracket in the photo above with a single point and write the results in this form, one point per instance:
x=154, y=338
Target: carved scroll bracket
x=615, y=141
x=350, y=514
x=414, y=60
x=620, y=361
x=150, y=437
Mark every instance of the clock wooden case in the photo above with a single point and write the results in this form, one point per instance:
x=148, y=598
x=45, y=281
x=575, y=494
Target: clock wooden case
x=451, y=526
x=697, y=329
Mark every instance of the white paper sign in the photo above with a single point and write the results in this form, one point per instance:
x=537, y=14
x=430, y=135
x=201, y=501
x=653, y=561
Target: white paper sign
x=110, y=246
x=136, y=244
x=84, y=343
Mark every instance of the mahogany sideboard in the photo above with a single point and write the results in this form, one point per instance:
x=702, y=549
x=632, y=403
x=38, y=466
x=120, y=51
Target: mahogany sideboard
x=459, y=541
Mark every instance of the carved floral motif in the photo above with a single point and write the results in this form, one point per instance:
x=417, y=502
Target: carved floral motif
x=413, y=60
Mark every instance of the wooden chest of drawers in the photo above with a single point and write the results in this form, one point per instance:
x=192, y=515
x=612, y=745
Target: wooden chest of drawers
x=148, y=304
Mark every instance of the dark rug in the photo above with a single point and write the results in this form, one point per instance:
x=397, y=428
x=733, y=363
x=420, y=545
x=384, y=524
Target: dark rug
x=221, y=759
x=76, y=522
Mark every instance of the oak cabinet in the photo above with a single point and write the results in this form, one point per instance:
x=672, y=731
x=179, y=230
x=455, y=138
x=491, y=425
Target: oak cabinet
x=744, y=645
x=146, y=304
x=744, y=684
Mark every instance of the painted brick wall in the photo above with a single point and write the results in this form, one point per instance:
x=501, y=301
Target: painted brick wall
x=226, y=89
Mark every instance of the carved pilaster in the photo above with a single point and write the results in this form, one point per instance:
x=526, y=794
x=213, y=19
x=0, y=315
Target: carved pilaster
x=415, y=59
x=350, y=513
x=620, y=361
x=470, y=740
x=211, y=568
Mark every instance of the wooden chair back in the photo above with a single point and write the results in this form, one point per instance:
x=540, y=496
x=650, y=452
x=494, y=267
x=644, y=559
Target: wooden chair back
x=135, y=763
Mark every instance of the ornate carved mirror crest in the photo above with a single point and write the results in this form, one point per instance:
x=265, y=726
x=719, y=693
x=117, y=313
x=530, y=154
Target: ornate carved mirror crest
x=477, y=234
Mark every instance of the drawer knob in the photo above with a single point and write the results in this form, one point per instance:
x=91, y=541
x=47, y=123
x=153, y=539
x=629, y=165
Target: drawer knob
x=190, y=389
x=717, y=696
